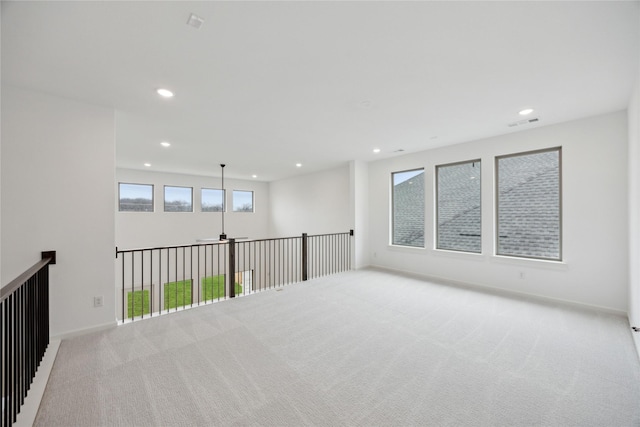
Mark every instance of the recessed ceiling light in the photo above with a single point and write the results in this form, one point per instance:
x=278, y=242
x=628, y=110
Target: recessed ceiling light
x=298, y=165
x=148, y=165
x=165, y=93
x=526, y=111
x=165, y=144
x=376, y=150
x=254, y=176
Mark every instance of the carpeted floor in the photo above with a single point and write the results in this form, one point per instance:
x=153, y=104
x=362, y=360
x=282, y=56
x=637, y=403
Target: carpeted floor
x=362, y=348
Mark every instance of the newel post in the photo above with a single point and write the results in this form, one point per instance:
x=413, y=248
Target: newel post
x=305, y=257
x=232, y=268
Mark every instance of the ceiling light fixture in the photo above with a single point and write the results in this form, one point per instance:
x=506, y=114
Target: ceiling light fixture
x=165, y=144
x=298, y=165
x=376, y=150
x=525, y=112
x=166, y=93
x=148, y=165
x=254, y=176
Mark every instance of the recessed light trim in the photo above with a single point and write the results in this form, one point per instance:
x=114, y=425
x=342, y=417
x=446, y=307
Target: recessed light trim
x=165, y=93
x=165, y=144
x=525, y=112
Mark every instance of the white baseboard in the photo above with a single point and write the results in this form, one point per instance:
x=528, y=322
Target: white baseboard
x=636, y=340
x=501, y=291
x=84, y=331
x=29, y=409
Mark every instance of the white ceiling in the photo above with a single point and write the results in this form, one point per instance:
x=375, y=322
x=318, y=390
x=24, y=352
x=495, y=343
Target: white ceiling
x=264, y=85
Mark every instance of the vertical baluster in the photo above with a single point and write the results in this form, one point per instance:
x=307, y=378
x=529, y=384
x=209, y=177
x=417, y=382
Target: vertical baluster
x=19, y=348
x=12, y=352
x=150, y=286
x=133, y=279
x=3, y=358
x=122, y=286
x=7, y=360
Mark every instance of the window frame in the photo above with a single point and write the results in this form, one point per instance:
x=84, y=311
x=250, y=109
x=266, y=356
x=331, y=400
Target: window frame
x=164, y=194
x=253, y=201
x=392, y=211
x=153, y=204
x=560, y=258
x=437, y=205
x=224, y=199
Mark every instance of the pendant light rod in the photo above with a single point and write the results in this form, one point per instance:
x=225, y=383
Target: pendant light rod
x=223, y=236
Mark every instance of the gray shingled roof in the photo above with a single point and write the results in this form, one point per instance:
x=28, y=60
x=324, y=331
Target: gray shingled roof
x=408, y=212
x=529, y=212
x=459, y=216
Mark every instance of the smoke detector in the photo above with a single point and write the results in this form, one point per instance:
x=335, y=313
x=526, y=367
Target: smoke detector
x=523, y=122
x=195, y=21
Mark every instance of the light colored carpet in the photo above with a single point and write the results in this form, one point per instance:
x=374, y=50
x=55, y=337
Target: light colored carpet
x=362, y=348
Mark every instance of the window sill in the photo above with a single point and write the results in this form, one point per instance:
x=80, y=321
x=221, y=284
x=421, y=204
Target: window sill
x=458, y=254
x=400, y=248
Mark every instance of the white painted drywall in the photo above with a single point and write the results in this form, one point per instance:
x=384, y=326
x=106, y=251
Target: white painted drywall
x=595, y=267
x=1, y=6
x=58, y=163
x=316, y=203
x=634, y=207
x=359, y=198
x=159, y=228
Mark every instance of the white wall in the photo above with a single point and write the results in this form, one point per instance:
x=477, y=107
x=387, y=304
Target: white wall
x=315, y=204
x=634, y=207
x=359, y=198
x=1, y=6
x=58, y=165
x=159, y=228
x=595, y=267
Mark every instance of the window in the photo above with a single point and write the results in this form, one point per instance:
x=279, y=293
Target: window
x=242, y=201
x=458, y=207
x=528, y=204
x=408, y=208
x=212, y=200
x=178, y=199
x=135, y=197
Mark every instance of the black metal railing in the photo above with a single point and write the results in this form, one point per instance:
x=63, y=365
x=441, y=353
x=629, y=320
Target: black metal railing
x=24, y=334
x=159, y=280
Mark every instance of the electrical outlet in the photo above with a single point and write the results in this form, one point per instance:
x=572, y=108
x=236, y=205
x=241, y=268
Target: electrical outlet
x=97, y=301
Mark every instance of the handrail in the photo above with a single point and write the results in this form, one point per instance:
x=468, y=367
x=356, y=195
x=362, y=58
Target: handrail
x=156, y=248
x=48, y=257
x=24, y=329
x=158, y=280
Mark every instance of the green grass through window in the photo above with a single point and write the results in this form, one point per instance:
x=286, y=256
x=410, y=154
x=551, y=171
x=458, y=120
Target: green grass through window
x=179, y=294
x=213, y=287
x=137, y=303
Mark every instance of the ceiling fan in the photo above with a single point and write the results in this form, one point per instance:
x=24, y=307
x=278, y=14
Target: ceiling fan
x=223, y=236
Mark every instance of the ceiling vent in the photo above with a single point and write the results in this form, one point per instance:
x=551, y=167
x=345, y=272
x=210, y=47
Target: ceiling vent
x=523, y=122
x=195, y=21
